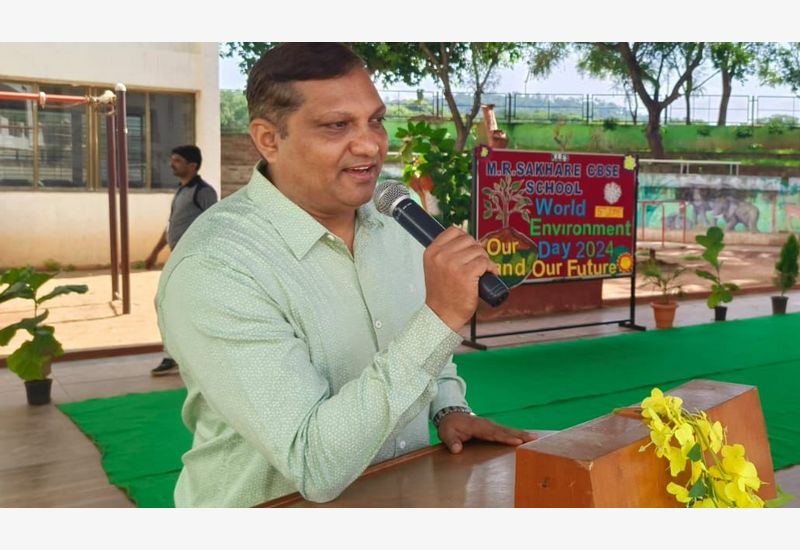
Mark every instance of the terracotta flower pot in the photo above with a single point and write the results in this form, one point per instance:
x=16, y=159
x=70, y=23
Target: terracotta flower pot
x=664, y=313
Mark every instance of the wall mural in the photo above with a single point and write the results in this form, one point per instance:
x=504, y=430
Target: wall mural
x=753, y=204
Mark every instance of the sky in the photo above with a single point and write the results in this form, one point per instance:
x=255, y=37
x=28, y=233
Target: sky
x=565, y=79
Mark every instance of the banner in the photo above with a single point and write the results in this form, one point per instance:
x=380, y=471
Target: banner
x=545, y=216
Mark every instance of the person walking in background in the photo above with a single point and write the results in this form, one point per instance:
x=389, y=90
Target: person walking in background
x=194, y=196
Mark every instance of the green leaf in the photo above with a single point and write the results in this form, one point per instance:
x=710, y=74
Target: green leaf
x=29, y=324
x=63, y=289
x=422, y=147
x=695, y=454
x=705, y=275
x=18, y=289
x=14, y=275
x=698, y=490
x=439, y=134
x=37, y=279
x=781, y=500
x=32, y=360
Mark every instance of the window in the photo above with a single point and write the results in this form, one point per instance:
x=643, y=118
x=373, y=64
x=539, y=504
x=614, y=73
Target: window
x=62, y=151
x=16, y=138
x=70, y=148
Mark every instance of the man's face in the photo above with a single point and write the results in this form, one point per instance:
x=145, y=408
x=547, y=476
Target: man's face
x=334, y=147
x=181, y=168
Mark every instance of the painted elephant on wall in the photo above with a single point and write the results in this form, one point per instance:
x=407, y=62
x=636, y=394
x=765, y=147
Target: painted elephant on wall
x=734, y=212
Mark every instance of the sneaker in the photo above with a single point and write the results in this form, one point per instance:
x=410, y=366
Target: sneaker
x=167, y=366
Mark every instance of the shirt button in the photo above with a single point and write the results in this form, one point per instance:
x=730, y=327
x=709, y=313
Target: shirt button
x=402, y=445
x=331, y=237
x=378, y=324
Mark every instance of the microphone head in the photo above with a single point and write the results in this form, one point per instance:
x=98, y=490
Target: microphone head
x=387, y=194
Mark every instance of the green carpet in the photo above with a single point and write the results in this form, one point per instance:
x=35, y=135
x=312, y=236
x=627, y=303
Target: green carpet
x=547, y=386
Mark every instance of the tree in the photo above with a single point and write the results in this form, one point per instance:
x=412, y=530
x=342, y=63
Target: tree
x=780, y=64
x=647, y=65
x=735, y=61
x=450, y=63
x=233, y=111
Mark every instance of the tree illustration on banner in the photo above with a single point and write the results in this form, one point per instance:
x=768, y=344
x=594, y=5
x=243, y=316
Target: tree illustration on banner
x=512, y=251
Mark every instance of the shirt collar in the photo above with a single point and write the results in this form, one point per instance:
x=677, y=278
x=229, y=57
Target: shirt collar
x=192, y=182
x=297, y=227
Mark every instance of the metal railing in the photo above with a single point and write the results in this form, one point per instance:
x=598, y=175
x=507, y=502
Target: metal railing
x=514, y=107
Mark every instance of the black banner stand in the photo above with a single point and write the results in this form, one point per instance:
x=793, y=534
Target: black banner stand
x=629, y=322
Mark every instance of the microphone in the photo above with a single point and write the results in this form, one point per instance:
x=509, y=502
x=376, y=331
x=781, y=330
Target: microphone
x=392, y=199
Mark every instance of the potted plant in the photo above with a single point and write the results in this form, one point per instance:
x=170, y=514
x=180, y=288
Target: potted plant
x=720, y=292
x=665, y=280
x=32, y=359
x=785, y=273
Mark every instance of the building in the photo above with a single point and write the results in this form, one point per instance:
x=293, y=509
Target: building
x=53, y=199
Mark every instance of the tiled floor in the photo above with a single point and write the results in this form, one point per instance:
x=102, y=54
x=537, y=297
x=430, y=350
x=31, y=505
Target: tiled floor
x=45, y=461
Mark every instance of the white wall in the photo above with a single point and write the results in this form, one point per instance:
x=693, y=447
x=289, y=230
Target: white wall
x=72, y=227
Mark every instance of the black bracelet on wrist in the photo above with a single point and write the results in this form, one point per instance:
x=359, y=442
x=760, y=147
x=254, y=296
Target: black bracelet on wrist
x=437, y=418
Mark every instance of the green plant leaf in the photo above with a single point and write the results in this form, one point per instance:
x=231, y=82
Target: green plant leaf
x=37, y=279
x=698, y=490
x=63, y=289
x=439, y=134
x=706, y=275
x=15, y=274
x=29, y=324
x=695, y=454
x=31, y=361
x=18, y=289
x=780, y=500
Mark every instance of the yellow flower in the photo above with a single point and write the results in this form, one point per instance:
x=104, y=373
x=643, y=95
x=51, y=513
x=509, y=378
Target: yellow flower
x=698, y=468
x=731, y=481
x=706, y=503
x=716, y=436
x=660, y=434
x=741, y=497
x=685, y=435
x=655, y=401
x=711, y=433
x=677, y=460
x=744, y=473
x=629, y=163
x=680, y=492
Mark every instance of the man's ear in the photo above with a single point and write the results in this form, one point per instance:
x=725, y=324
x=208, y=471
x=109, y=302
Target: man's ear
x=265, y=137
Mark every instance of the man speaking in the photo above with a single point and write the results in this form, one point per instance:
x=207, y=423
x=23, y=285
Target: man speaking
x=315, y=336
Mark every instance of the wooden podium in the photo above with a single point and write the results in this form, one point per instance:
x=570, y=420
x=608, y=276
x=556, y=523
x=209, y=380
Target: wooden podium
x=597, y=463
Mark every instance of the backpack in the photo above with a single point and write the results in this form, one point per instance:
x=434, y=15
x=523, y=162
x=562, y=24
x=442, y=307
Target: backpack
x=197, y=187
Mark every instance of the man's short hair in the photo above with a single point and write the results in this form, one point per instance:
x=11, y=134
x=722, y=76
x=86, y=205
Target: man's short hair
x=270, y=94
x=190, y=152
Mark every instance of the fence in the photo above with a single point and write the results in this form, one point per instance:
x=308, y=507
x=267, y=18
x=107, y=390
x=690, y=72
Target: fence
x=593, y=108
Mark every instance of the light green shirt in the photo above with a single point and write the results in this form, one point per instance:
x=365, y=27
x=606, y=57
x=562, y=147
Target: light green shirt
x=304, y=364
